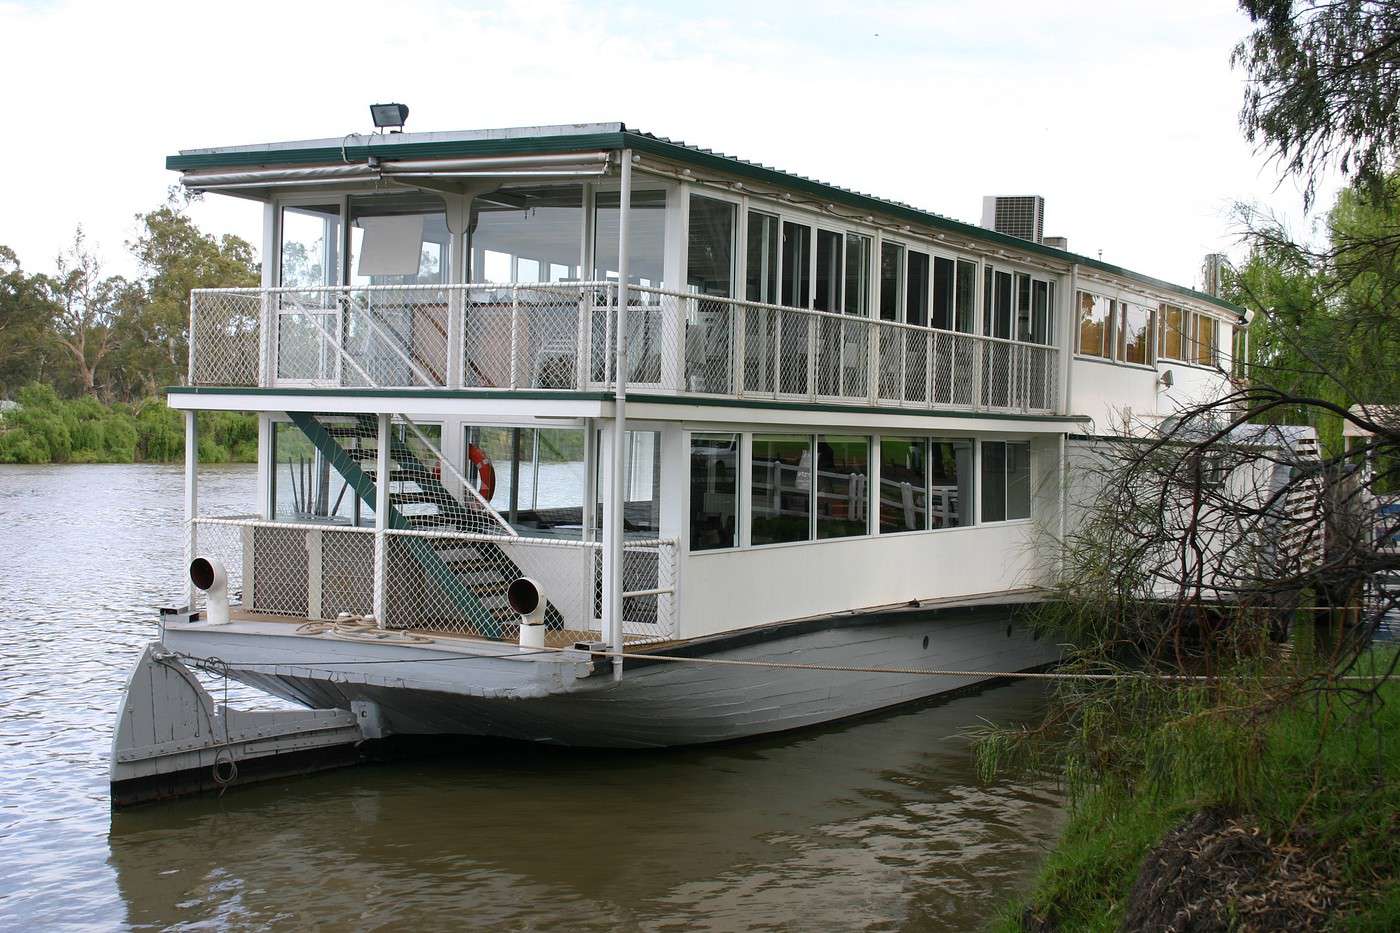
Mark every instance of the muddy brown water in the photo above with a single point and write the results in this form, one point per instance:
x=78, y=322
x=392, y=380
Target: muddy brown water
x=876, y=824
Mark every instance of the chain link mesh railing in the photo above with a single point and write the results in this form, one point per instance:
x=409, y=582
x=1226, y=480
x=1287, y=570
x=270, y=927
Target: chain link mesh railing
x=437, y=581
x=562, y=336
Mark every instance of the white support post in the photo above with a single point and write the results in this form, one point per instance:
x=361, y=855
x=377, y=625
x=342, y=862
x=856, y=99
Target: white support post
x=613, y=524
x=381, y=518
x=191, y=501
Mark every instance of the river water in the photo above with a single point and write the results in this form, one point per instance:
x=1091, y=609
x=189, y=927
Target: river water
x=878, y=824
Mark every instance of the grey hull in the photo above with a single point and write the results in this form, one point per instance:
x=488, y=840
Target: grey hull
x=662, y=703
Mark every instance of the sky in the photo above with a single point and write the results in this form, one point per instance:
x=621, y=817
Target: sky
x=1123, y=115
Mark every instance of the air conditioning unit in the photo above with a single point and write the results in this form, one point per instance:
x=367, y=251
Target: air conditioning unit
x=1019, y=216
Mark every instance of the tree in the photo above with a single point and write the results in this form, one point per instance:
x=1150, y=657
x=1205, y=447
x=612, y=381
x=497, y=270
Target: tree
x=85, y=310
x=24, y=311
x=1324, y=87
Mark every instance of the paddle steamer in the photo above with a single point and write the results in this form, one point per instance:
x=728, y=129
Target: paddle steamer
x=540, y=407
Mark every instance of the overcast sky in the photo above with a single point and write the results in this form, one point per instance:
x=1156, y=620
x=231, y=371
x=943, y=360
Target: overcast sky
x=1122, y=114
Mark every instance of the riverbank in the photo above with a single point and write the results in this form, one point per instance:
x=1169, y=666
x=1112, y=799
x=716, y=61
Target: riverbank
x=48, y=429
x=1286, y=816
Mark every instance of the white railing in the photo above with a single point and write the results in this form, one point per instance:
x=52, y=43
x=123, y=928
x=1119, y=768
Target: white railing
x=560, y=336
x=437, y=581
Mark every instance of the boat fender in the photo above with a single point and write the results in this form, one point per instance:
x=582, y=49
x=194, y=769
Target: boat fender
x=484, y=469
x=527, y=599
x=209, y=576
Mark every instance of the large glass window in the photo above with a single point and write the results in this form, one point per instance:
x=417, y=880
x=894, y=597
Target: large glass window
x=828, y=290
x=398, y=239
x=916, y=294
x=781, y=488
x=1171, y=330
x=1205, y=340
x=843, y=486
x=903, y=484
x=528, y=234
x=1134, y=333
x=797, y=265
x=762, y=270
x=539, y=476
x=1042, y=312
x=710, y=251
x=891, y=281
x=950, y=483
x=1095, y=325
x=858, y=249
x=714, y=491
x=998, y=323
x=646, y=231
x=310, y=253
x=1025, y=329
x=967, y=296
x=943, y=274
x=1006, y=481
x=306, y=487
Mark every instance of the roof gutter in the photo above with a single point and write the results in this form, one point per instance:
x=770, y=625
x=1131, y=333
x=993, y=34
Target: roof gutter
x=373, y=169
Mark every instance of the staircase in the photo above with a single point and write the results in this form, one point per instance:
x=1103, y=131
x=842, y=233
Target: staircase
x=472, y=574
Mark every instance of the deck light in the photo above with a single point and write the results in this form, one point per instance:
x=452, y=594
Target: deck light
x=389, y=115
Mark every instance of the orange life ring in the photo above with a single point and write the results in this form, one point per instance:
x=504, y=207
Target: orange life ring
x=485, y=472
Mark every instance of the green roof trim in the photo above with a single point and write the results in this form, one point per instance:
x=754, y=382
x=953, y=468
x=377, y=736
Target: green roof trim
x=676, y=151
x=569, y=395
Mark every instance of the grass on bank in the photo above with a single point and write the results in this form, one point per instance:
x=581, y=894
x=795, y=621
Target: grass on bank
x=1324, y=769
x=48, y=429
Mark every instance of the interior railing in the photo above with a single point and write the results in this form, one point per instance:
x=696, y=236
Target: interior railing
x=561, y=336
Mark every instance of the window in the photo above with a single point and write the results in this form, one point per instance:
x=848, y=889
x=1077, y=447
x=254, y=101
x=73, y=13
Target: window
x=903, y=484
x=539, y=474
x=1006, y=481
x=797, y=260
x=1171, y=333
x=828, y=291
x=858, y=250
x=310, y=253
x=710, y=251
x=967, y=296
x=950, y=487
x=916, y=294
x=762, y=272
x=516, y=232
x=781, y=488
x=943, y=313
x=305, y=487
x=1095, y=325
x=646, y=230
x=714, y=491
x=398, y=239
x=924, y=483
x=1042, y=312
x=842, y=486
x=1134, y=333
x=1205, y=340
x=998, y=320
x=1024, y=328
x=1239, y=351
x=891, y=280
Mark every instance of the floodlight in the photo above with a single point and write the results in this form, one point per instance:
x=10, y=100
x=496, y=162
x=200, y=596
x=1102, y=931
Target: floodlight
x=387, y=115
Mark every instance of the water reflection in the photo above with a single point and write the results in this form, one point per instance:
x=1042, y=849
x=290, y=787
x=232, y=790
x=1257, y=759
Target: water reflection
x=877, y=824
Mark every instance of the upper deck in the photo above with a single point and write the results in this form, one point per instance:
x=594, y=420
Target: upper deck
x=486, y=263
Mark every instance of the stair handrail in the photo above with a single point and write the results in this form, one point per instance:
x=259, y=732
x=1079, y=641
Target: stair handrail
x=467, y=487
